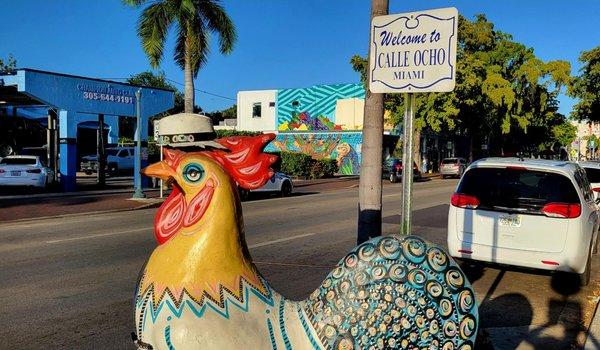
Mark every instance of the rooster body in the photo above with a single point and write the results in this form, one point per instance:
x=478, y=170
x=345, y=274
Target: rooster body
x=200, y=289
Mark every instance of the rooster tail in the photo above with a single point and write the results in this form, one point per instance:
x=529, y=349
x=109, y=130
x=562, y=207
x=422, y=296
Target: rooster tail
x=394, y=291
x=245, y=161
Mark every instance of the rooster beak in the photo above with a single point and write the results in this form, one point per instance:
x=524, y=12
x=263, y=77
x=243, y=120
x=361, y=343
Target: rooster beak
x=160, y=170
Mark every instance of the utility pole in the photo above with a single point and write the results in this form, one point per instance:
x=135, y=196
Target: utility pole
x=370, y=188
x=138, y=192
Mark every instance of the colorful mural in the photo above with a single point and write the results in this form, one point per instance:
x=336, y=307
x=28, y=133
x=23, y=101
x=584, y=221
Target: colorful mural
x=341, y=146
x=314, y=108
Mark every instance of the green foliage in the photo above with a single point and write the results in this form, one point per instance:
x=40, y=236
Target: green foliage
x=228, y=113
x=505, y=96
x=564, y=133
x=304, y=166
x=194, y=20
x=228, y=133
x=586, y=87
x=9, y=66
x=158, y=80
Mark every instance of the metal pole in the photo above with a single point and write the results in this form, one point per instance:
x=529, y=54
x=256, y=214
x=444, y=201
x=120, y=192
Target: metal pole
x=407, y=163
x=138, y=193
x=101, y=154
x=161, y=158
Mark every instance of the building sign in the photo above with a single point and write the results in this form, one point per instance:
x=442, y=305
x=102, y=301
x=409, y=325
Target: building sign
x=414, y=52
x=105, y=93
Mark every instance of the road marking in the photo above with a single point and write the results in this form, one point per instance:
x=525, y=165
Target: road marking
x=98, y=235
x=281, y=240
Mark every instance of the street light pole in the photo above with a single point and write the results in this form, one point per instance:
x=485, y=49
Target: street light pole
x=138, y=192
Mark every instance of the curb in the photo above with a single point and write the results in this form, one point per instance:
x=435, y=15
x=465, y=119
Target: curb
x=73, y=194
x=140, y=207
x=592, y=337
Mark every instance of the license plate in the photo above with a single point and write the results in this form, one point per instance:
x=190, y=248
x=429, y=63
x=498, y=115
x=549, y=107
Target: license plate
x=510, y=220
x=15, y=173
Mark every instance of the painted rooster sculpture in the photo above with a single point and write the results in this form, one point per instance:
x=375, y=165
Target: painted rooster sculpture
x=200, y=289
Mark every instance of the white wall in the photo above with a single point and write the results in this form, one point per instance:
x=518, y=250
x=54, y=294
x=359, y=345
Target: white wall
x=268, y=119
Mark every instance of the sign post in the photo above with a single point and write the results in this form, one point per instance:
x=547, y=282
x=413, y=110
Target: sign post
x=158, y=139
x=411, y=53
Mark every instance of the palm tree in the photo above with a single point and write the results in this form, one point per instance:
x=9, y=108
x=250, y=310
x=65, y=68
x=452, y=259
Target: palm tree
x=369, y=193
x=194, y=21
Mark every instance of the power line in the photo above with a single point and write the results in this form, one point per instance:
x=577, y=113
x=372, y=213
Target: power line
x=176, y=82
x=203, y=91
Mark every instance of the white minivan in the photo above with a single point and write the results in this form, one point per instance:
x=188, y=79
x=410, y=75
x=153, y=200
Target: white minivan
x=532, y=213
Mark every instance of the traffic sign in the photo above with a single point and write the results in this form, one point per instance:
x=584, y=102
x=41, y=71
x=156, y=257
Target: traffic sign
x=414, y=52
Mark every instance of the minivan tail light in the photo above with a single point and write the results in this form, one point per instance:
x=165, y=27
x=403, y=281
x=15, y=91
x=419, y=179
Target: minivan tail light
x=562, y=210
x=464, y=201
x=596, y=189
x=398, y=167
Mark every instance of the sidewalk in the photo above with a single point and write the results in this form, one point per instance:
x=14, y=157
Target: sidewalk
x=593, y=335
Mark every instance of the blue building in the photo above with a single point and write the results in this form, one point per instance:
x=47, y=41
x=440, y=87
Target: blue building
x=74, y=103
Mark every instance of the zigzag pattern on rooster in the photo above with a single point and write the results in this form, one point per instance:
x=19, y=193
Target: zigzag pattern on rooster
x=200, y=289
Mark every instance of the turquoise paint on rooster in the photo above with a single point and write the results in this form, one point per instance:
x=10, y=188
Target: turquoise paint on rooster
x=307, y=330
x=177, y=312
x=168, y=338
x=284, y=335
x=271, y=334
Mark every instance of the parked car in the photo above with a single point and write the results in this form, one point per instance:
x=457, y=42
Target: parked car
x=25, y=171
x=532, y=213
x=118, y=159
x=592, y=170
x=280, y=183
x=453, y=167
x=392, y=169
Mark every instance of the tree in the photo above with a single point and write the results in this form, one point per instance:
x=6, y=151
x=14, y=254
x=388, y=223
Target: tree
x=218, y=116
x=586, y=87
x=369, y=207
x=194, y=20
x=505, y=97
x=150, y=79
x=9, y=66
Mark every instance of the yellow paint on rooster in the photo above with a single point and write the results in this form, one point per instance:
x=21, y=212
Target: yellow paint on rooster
x=216, y=240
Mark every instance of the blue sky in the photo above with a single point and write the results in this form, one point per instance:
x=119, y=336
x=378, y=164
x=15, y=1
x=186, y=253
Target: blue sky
x=281, y=43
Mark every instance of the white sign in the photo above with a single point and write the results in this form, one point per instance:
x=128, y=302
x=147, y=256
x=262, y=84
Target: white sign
x=156, y=130
x=414, y=52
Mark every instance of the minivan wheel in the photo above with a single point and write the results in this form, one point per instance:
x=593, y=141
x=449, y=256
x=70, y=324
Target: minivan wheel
x=393, y=178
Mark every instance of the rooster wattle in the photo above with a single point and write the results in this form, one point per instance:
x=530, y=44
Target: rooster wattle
x=200, y=289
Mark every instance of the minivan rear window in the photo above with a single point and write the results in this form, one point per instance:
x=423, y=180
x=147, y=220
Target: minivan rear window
x=593, y=175
x=450, y=161
x=517, y=190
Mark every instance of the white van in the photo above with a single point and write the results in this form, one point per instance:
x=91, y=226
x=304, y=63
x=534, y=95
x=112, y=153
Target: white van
x=532, y=213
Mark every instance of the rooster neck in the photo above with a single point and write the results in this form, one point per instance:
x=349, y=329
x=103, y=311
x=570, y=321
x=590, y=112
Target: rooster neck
x=208, y=255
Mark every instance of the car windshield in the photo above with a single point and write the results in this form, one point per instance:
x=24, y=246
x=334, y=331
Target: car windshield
x=112, y=152
x=18, y=161
x=593, y=174
x=449, y=161
x=519, y=190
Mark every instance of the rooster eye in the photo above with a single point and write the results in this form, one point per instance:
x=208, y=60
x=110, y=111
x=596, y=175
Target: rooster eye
x=193, y=172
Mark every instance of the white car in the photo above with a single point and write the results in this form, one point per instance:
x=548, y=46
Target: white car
x=280, y=183
x=24, y=171
x=532, y=213
x=592, y=170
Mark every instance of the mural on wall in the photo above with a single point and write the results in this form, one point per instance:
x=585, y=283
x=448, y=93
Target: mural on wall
x=344, y=147
x=314, y=108
x=201, y=290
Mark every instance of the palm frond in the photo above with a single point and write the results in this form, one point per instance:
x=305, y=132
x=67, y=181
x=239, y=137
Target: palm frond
x=192, y=39
x=219, y=22
x=134, y=3
x=153, y=26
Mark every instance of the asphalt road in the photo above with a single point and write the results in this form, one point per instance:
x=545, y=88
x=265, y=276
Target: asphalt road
x=68, y=283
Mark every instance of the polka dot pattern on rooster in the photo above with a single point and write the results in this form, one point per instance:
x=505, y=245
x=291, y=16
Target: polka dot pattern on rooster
x=395, y=292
